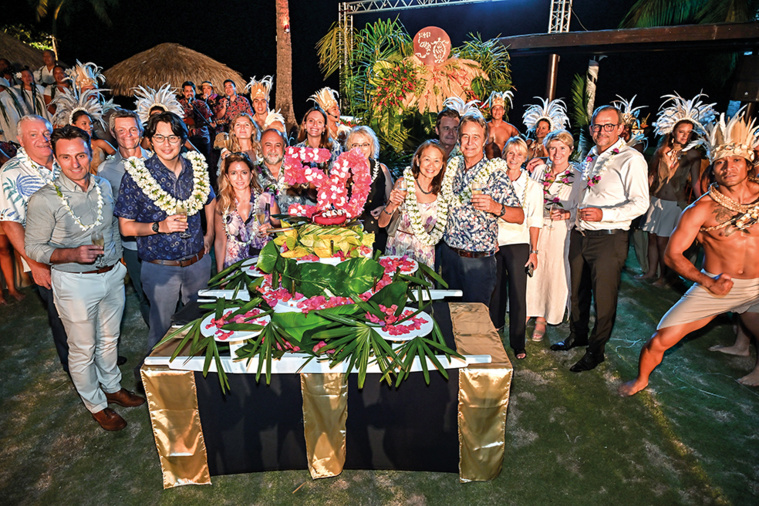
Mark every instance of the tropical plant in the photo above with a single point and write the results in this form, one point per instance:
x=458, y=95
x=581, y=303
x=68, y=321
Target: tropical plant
x=29, y=35
x=578, y=113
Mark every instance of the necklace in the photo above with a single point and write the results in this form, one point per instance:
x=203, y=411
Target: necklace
x=65, y=202
x=443, y=204
x=524, y=192
x=422, y=189
x=165, y=202
x=593, y=176
x=482, y=176
x=565, y=177
x=748, y=214
x=375, y=169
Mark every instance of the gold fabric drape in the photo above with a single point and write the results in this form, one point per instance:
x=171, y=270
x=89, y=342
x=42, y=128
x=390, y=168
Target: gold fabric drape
x=483, y=393
x=325, y=410
x=173, y=404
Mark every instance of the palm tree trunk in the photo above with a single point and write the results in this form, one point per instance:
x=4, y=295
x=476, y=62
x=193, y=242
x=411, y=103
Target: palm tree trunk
x=284, y=82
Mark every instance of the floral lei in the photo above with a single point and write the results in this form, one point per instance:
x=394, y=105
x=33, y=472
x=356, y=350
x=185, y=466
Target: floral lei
x=564, y=178
x=594, y=176
x=165, y=202
x=482, y=176
x=67, y=207
x=412, y=208
x=23, y=157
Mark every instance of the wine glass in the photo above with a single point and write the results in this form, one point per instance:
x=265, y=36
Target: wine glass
x=553, y=207
x=261, y=217
x=98, y=240
x=402, y=185
x=181, y=210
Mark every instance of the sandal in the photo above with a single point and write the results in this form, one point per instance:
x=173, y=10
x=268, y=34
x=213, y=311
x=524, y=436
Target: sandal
x=520, y=354
x=539, y=332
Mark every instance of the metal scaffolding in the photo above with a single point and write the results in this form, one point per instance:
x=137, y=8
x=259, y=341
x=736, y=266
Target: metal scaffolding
x=561, y=12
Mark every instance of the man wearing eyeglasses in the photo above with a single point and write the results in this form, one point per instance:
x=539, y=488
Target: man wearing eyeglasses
x=615, y=180
x=170, y=242
x=126, y=128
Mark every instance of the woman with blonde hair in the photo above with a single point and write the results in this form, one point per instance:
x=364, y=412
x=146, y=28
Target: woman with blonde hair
x=243, y=137
x=243, y=212
x=364, y=138
x=561, y=180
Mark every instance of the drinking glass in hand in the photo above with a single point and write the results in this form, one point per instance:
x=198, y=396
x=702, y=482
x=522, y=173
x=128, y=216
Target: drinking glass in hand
x=99, y=241
x=182, y=212
x=477, y=188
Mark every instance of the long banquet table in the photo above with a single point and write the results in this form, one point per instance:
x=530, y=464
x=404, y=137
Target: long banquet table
x=323, y=422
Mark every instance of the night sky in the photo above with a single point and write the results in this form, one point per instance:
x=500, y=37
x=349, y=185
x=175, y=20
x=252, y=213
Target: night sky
x=241, y=34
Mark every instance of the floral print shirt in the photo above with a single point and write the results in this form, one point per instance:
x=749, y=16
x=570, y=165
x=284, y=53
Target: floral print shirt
x=20, y=177
x=472, y=230
x=234, y=107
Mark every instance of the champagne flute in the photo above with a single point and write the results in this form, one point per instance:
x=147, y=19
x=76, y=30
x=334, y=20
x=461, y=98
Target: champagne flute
x=99, y=241
x=181, y=210
x=260, y=217
x=551, y=209
x=402, y=185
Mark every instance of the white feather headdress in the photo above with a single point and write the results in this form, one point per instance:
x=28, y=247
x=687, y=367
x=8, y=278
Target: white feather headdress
x=326, y=98
x=694, y=111
x=85, y=74
x=461, y=107
x=274, y=117
x=736, y=137
x=497, y=98
x=165, y=98
x=70, y=101
x=260, y=89
x=630, y=114
x=555, y=112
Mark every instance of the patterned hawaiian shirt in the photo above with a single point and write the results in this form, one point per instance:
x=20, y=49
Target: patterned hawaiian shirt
x=472, y=230
x=200, y=114
x=133, y=204
x=20, y=177
x=239, y=105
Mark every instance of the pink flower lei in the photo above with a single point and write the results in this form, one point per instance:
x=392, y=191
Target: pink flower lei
x=565, y=178
x=595, y=178
x=332, y=187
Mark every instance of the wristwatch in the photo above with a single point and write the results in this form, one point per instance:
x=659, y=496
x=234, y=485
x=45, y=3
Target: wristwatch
x=503, y=211
x=155, y=227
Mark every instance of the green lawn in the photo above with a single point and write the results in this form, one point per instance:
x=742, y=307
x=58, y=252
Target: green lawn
x=688, y=439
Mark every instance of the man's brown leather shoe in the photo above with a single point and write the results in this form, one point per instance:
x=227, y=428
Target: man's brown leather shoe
x=125, y=398
x=109, y=419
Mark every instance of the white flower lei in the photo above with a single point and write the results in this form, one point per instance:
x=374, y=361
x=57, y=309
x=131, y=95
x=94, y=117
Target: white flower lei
x=482, y=176
x=67, y=207
x=165, y=202
x=412, y=207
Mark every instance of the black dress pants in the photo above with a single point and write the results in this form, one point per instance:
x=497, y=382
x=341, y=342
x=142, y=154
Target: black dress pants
x=56, y=325
x=511, y=285
x=595, y=261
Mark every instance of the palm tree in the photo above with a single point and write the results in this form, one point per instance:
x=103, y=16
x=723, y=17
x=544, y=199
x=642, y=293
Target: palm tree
x=62, y=9
x=284, y=87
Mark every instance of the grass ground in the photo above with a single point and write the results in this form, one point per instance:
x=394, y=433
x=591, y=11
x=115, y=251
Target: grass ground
x=688, y=439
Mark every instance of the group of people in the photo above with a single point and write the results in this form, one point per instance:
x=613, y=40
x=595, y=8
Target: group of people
x=513, y=223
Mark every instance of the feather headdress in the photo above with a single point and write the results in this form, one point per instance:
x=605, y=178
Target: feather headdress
x=85, y=74
x=555, y=112
x=260, y=89
x=497, y=98
x=165, y=98
x=461, y=107
x=629, y=113
x=736, y=137
x=272, y=118
x=326, y=98
x=694, y=111
x=68, y=102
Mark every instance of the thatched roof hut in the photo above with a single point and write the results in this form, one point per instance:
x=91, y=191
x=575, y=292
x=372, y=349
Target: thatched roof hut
x=168, y=63
x=19, y=54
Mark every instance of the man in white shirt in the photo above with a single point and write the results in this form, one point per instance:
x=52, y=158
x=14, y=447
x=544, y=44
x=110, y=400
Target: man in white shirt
x=616, y=192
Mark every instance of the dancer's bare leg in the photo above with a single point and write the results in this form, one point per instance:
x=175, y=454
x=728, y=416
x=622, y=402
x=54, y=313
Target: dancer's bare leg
x=741, y=345
x=652, y=353
x=751, y=322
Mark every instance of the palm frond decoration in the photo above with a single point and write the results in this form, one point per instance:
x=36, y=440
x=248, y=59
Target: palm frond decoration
x=330, y=49
x=648, y=13
x=578, y=113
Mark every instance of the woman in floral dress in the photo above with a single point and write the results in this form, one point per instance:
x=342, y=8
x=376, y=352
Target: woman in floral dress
x=548, y=289
x=240, y=232
x=414, y=235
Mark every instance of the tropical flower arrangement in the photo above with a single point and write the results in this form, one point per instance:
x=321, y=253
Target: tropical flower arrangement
x=334, y=197
x=392, y=84
x=336, y=314
x=311, y=242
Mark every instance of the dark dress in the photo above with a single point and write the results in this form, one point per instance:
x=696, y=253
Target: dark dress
x=376, y=198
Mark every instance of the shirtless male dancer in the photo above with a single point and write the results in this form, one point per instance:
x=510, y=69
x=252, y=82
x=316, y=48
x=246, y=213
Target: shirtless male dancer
x=500, y=131
x=724, y=221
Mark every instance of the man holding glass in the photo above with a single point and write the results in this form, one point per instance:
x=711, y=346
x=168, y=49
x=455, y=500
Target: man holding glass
x=615, y=181
x=159, y=203
x=70, y=225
